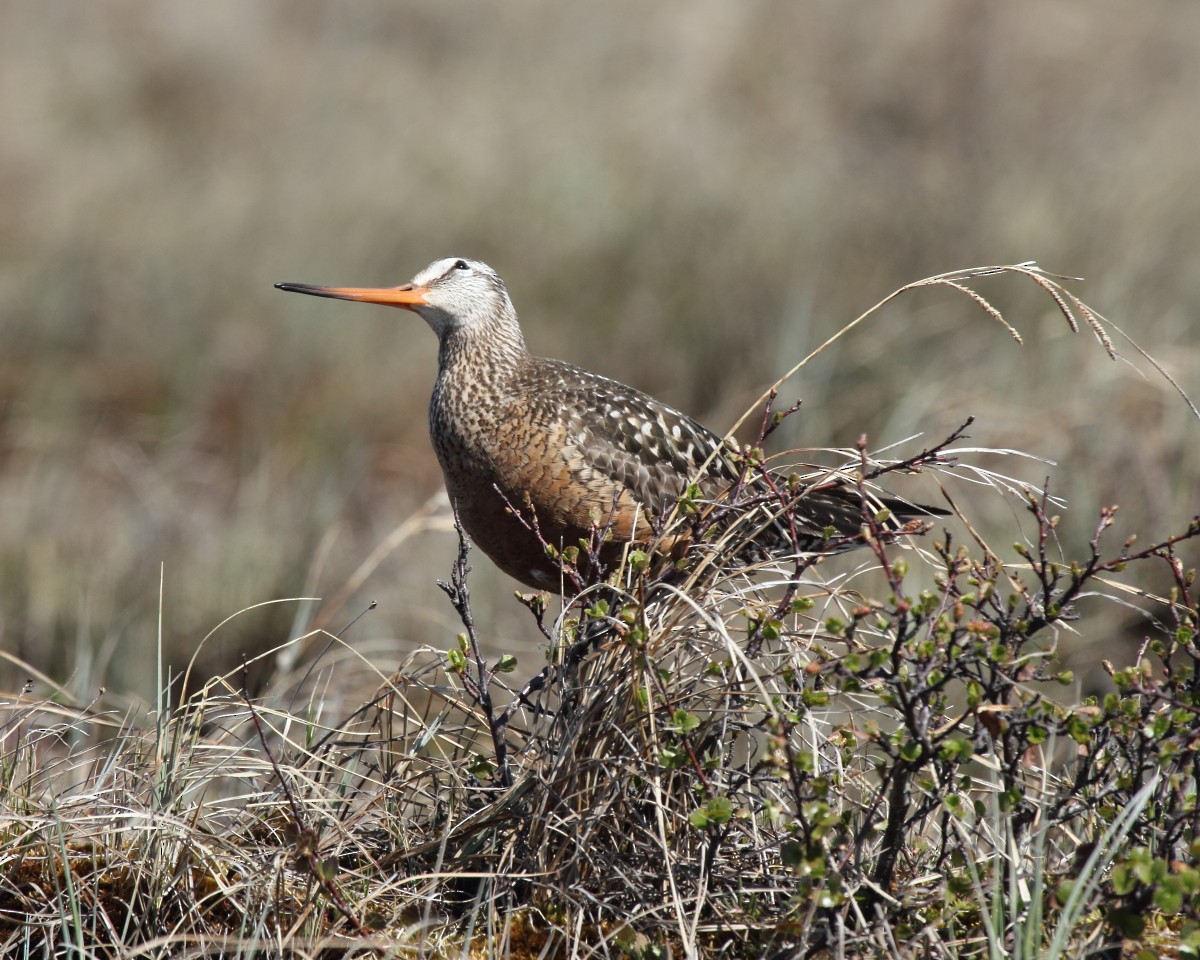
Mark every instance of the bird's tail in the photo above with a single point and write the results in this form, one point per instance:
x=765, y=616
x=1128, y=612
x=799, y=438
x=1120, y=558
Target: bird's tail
x=774, y=518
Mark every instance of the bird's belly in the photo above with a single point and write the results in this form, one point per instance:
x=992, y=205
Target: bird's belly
x=513, y=505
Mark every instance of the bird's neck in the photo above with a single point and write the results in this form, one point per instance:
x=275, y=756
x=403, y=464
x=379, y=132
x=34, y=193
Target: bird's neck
x=482, y=354
x=476, y=371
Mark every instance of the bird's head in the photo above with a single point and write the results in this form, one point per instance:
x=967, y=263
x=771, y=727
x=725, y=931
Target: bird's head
x=454, y=296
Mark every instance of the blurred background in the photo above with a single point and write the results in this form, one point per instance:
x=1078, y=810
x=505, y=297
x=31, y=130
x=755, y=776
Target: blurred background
x=688, y=197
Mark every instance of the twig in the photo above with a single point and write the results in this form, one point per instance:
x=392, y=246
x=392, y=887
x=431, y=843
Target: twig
x=479, y=687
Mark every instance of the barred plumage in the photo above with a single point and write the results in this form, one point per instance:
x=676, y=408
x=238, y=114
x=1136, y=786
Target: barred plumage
x=512, y=430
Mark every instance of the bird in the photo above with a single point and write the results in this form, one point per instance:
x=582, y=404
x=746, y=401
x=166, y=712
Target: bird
x=538, y=453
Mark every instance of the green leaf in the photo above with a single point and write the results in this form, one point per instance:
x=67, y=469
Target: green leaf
x=815, y=698
x=327, y=869
x=791, y=853
x=956, y=750
x=1010, y=799
x=1189, y=944
x=507, y=663
x=671, y=757
x=1168, y=895
x=719, y=809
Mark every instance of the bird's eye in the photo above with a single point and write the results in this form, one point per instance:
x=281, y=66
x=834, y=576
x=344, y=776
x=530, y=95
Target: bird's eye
x=461, y=265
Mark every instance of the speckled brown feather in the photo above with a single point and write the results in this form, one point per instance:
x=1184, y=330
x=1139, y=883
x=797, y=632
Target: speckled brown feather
x=585, y=450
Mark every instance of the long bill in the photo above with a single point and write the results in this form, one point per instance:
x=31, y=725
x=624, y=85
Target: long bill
x=407, y=295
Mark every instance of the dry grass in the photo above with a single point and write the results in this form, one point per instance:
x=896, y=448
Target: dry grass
x=840, y=756
x=693, y=203
x=753, y=761
x=687, y=202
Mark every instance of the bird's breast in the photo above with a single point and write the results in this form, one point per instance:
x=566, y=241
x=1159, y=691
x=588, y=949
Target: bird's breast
x=466, y=426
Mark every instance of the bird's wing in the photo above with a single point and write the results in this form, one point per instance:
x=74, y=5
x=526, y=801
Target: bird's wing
x=617, y=439
x=628, y=450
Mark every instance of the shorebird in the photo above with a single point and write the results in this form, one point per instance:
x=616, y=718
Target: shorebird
x=538, y=452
